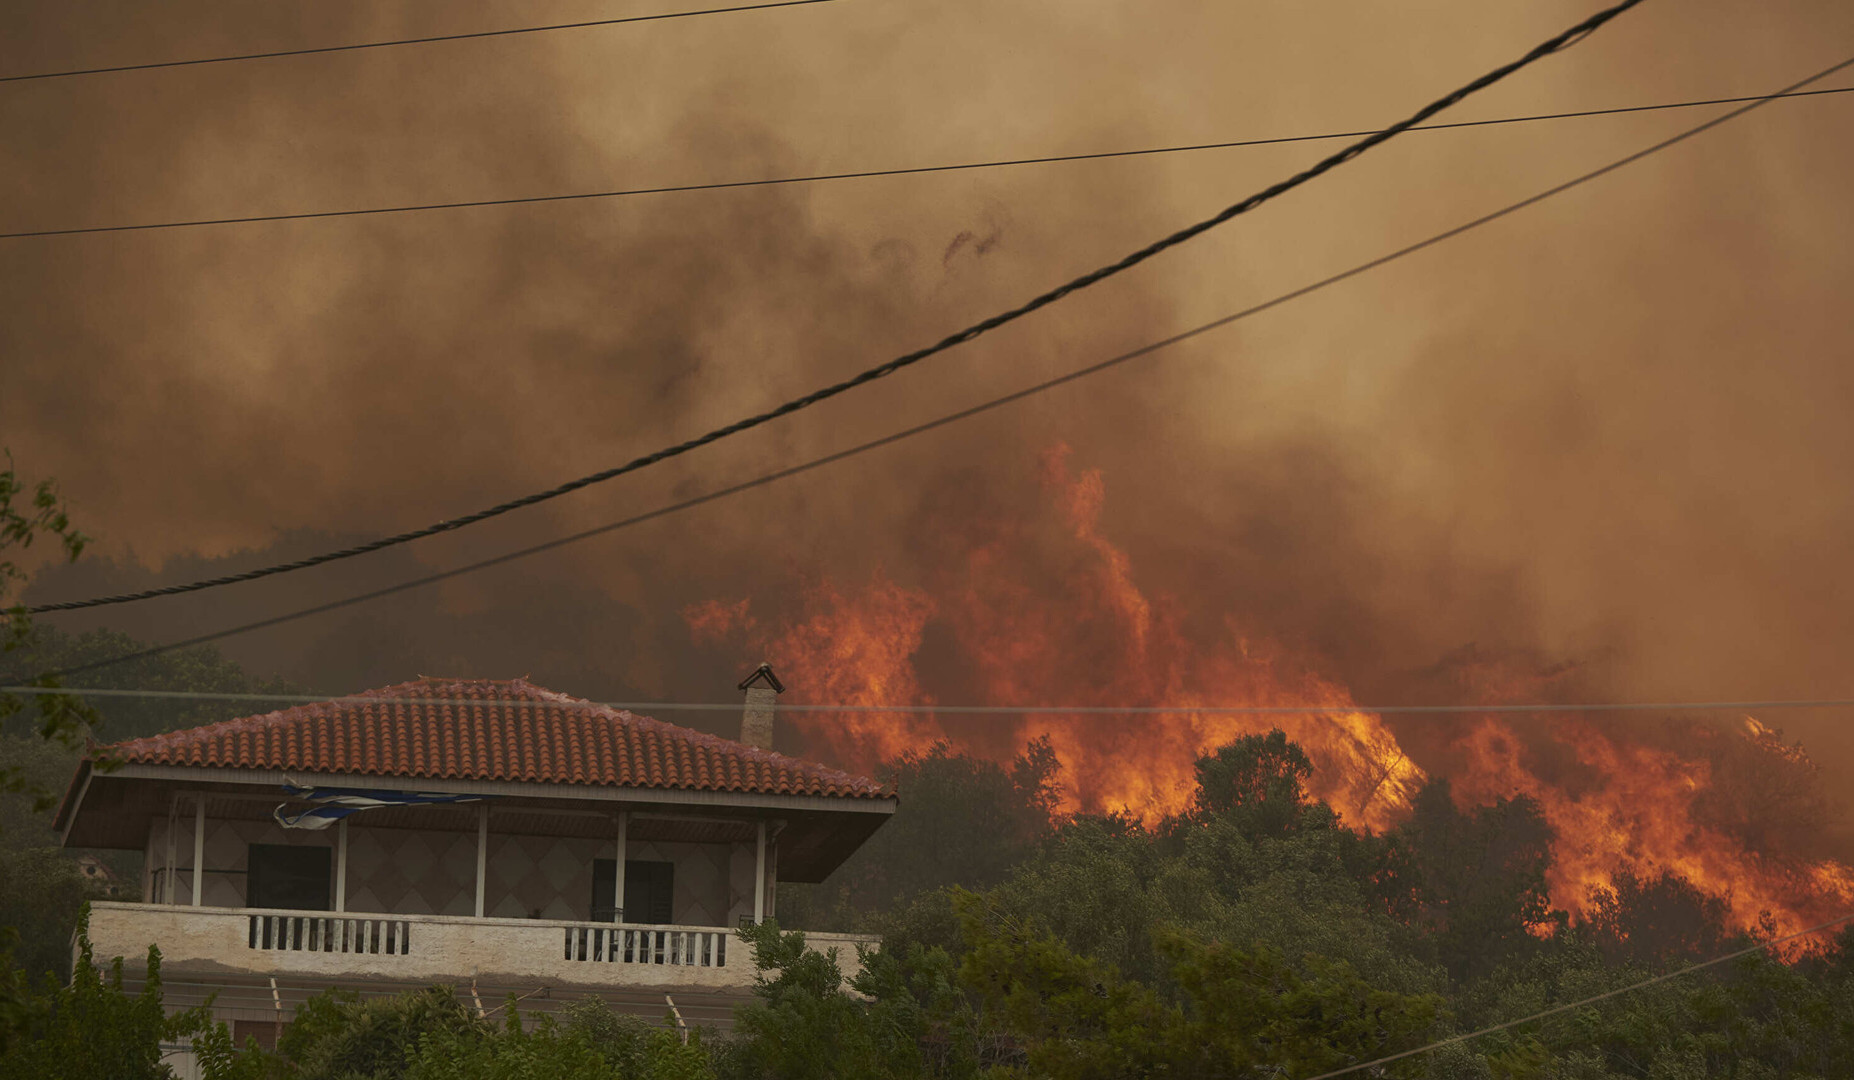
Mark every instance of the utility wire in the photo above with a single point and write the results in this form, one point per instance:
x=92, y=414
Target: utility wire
x=430, y=40
x=884, y=370
x=941, y=421
x=1319, y=708
x=723, y=185
x=1591, y=1000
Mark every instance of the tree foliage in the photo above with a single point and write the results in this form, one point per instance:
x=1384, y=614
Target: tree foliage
x=1237, y=1012
x=90, y=1027
x=1475, y=879
x=42, y=895
x=29, y=513
x=807, y=1024
x=961, y=820
x=42, y=884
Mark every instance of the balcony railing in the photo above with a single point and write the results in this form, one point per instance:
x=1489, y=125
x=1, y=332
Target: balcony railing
x=329, y=933
x=392, y=935
x=331, y=945
x=640, y=945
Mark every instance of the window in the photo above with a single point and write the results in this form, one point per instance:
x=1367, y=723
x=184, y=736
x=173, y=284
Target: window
x=285, y=876
x=264, y=1031
x=649, y=889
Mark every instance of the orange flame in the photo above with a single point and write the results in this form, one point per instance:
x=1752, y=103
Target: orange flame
x=1637, y=812
x=1036, y=621
x=1105, y=642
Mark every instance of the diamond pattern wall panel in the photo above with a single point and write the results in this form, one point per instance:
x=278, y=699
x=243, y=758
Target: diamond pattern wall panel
x=411, y=871
x=452, y=888
x=740, y=865
x=228, y=845
x=417, y=872
x=702, y=879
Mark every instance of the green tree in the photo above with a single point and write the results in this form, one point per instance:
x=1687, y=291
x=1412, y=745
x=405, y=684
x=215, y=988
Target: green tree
x=1302, y=894
x=1256, y=783
x=1656, y=920
x=1476, y=878
x=962, y=821
x=337, y=1036
x=42, y=884
x=638, y=1050
x=42, y=896
x=1069, y=1016
x=1253, y=1013
x=1253, y=861
x=27, y=514
x=548, y=1050
x=1285, y=871
x=807, y=1024
x=429, y=1035
x=1101, y=884
x=90, y=1028
x=1237, y=1013
x=221, y=1059
x=202, y=669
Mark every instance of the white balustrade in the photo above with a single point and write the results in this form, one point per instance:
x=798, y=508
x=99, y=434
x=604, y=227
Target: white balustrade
x=328, y=933
x=620, y=944
x=331, y=946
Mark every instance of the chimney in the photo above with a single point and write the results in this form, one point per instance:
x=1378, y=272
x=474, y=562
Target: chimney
x=756, y=720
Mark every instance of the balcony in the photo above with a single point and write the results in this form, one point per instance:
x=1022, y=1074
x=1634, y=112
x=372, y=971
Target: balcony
x=329, y=947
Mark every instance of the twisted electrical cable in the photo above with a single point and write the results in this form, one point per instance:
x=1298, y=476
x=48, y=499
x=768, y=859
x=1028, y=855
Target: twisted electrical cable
x=948, y=418
x=884, y=370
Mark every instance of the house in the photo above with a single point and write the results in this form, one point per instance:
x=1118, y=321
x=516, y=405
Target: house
x=492, y=835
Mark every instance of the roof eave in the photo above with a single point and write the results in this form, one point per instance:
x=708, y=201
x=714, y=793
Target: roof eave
x=883, y=803
x=73, y=797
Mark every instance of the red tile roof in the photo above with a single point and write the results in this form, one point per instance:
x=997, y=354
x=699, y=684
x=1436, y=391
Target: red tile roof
x=481, y=729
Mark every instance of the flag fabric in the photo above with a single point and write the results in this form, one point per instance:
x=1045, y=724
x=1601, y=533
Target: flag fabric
x=337, y=803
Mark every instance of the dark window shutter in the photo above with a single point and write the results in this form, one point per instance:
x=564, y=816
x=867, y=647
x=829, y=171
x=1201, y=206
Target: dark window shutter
x=603, y=888
x=649, y=890
x=286, y=876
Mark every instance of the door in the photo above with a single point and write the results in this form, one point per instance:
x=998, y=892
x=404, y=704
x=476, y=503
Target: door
x=286, y=876
x=649, y=889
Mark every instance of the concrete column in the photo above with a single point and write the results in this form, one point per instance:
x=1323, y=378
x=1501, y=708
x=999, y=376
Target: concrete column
x=199, y=848
x=624, y=829
x=170, y=892
x=482, y=854
x=341, y=865
x=772, y=876
x=759, y=876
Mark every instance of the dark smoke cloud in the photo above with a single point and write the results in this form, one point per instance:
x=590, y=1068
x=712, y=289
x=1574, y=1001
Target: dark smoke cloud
x=1609, y=434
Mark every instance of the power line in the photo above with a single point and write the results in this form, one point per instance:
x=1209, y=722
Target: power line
x=1591, y=1000
x=428, y=40
x=1544, y=49
x=1318, y=708
x=766, y=479
x=724, y=185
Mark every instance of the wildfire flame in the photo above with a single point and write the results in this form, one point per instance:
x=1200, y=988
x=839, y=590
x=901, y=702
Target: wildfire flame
x=1639, y=813
x=1095, y=638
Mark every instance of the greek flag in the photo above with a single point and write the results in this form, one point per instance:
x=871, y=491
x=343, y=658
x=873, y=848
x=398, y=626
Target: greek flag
x=337, y=803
